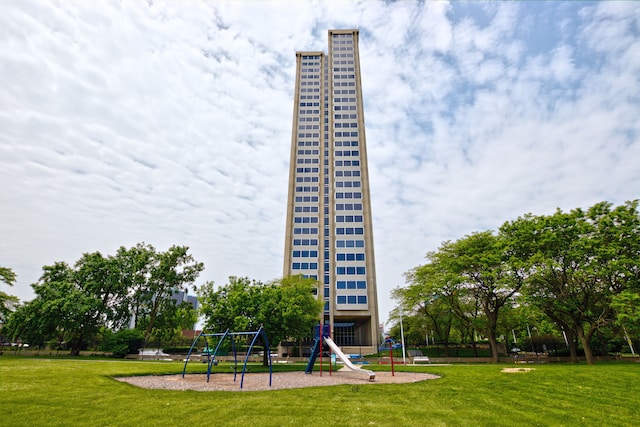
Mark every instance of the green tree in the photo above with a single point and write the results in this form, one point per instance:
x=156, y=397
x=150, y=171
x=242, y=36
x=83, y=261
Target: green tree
x=171, y=271
x=7, y=302
x=286, y=308
x=577, y=262
x=61, y=310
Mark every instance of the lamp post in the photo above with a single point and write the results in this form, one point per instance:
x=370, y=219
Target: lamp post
x=404, y=356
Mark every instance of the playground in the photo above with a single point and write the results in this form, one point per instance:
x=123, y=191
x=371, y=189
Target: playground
x=260, y=381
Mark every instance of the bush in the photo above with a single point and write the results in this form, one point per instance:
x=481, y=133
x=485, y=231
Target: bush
x=177, y=350
x=123, y=342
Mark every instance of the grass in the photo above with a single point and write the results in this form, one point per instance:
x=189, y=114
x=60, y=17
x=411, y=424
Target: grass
x=62, y=392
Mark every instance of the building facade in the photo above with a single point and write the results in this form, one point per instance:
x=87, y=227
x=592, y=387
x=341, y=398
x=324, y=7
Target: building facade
x=329, y=233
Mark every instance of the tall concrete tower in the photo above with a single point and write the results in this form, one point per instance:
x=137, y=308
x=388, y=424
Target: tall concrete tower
x=329, y=234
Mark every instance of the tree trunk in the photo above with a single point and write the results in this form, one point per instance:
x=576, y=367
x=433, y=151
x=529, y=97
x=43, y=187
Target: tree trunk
x=572, y=344
x=493, y=343
x=588, y=353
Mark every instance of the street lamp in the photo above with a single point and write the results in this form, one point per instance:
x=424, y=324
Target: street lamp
x=404, y=356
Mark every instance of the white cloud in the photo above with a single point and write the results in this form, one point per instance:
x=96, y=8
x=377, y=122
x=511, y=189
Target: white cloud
x=169, y=123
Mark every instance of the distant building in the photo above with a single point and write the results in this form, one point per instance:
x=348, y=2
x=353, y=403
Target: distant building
x=181, y=296
x=329, y=233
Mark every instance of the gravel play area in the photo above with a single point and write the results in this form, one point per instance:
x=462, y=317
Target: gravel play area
x=260, y=381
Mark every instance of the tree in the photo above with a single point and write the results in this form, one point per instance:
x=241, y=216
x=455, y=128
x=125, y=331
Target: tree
x=61, y=310
x=73, y=304
x=171, y=271
x=7, y=302
x=577, y=262
x=297, y=306
x=286, y=308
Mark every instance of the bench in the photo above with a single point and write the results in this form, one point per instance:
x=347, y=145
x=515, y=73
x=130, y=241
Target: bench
x=421, y=359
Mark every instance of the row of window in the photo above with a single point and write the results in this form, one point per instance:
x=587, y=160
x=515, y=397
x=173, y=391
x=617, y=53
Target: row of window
x=347, y=173
x=344, y=69
x=348, y=207
x=348, y=218
x=348, y=184
x=307, y=179
x=307, y=161
x=306, y=189
x=310, y=83
x=344, y=76
x=311, y=89
x=342, y=55
x=305, y=242
x=306, y=220
x=345, y=108
x=344, y=92
x=309, y=127
x=338, y=84
x=304, y=265
x=351, y=299
x=350, y=270
x=350, y=257
x=305, y=231
x=345, y=116
x=310, y=97
x=349, y=230
x=350, y=243
x=305, y=254
x=310, y=76
x=345, y=125
x=309, y=119
x=308, y=144
x=349, y=62
x=306, y=209
x=307, y=199
x=307, y=170
x=308, y=152
x=354, y=195
x=345, y=153
x=347, y=163
x=351, y=284
x=342, y=49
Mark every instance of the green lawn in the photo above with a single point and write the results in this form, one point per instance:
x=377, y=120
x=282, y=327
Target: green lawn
x=78, y=392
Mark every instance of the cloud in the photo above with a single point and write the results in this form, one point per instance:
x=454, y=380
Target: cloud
x=170, y=122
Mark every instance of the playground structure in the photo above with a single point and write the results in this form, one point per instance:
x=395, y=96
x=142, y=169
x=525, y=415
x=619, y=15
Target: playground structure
x=318, y=348
x=220, y=337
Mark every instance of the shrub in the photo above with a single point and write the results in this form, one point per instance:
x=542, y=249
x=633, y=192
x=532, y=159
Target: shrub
x=123, y=342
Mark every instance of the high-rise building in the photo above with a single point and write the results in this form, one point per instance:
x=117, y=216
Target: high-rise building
x=329, y=233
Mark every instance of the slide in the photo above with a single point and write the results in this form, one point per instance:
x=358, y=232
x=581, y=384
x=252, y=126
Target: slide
x=347, y=362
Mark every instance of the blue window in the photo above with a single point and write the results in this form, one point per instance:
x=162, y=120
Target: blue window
x=296, y=254
x=296, y=266
x=326, y=292
x=340, y=243
x=358, y=230
x=342, y=299
x=360, y=270
x=314, y=266
x=362, y=299
x=351, y=299
x=362, y=284
x=341, y=284
x=359, y=243
x=340, y=257
x=351, y=284
x=340, y=270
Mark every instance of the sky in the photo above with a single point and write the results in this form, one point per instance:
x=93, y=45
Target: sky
x=169, y=123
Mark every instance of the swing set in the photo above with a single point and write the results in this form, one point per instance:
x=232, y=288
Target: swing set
x=218, y=339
